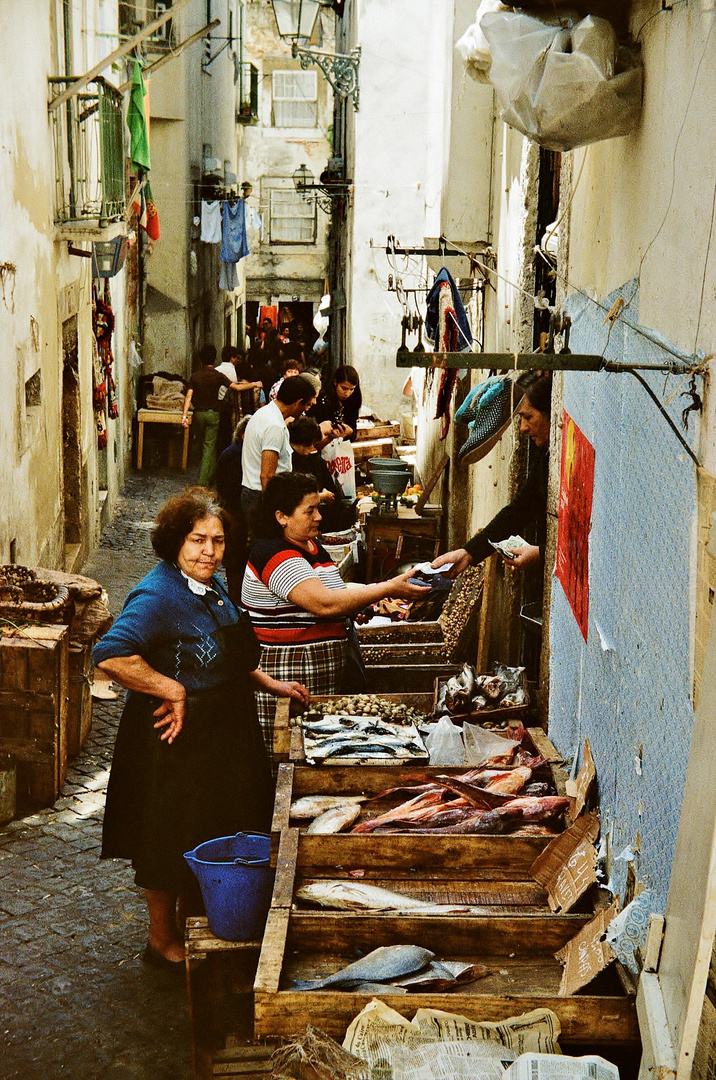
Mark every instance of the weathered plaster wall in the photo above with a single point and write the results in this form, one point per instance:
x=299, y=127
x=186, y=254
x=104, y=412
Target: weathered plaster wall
x=270, y=155
x=642, y=213
x=46, y=287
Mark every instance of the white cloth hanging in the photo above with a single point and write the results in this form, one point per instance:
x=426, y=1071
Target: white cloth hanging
x=211, y=222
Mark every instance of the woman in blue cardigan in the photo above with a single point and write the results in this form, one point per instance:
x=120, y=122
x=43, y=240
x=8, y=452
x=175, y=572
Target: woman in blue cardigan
x=189, y=762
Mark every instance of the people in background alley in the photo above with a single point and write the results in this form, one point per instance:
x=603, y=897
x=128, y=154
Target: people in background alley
x=267, y=449
x=305, y=436
x=297, y=600
x=529, y=506
x=340, y=402
x=229, y=358
x=189, y=763
x=203, y=395
x=227, y=481
x=289, y=368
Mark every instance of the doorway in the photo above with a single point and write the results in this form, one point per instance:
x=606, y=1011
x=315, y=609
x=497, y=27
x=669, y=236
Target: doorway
x=71, y=448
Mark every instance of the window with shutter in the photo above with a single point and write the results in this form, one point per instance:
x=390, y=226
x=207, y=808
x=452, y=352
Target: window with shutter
x=292, y=218
x=295, y=99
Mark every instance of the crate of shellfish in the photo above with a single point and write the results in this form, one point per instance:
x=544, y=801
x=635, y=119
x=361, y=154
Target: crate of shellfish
x=490, y=699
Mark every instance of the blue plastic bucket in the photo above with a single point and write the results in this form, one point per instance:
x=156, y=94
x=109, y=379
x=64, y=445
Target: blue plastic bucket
x=236, y=882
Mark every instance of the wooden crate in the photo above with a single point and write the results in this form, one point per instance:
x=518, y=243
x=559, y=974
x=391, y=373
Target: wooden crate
x=34, y=691
x=79, y=708
x=506, y=858
x=390, y=678
x=399, y=633
x=517, y=949
x=378, y=431
x=219, y=985
x=496, y=715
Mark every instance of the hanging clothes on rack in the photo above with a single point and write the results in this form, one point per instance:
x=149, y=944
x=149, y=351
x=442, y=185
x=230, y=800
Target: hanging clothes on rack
x=448, y=330
x=211, y=222
x=234, y=245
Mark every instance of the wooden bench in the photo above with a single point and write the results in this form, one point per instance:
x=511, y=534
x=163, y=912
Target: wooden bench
x=161, y=416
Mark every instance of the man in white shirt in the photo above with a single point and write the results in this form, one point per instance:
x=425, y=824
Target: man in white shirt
x=267, y=449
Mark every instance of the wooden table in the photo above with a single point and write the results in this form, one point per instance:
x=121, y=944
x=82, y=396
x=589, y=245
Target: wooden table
x=161, y=416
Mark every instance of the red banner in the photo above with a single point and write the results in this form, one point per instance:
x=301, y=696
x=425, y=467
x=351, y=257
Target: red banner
x=575, y=516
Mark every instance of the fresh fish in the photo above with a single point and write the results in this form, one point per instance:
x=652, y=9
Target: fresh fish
x=516, y=780
x=357, y=896
x=442, y=975
x=359, y=750
x=310, y=806
x=377, y=988
x=509, y=817
x=420, y=802
x=334, y=820
x=381, y=965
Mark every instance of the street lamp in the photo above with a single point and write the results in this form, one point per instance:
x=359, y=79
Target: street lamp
x=323, y=192
x=296, y=21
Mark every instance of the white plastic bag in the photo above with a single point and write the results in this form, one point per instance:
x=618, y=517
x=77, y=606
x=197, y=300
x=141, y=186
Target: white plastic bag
x=338, y=456
x=481, y=745
x=444, y=743
x=473, y=46
x=562, y=85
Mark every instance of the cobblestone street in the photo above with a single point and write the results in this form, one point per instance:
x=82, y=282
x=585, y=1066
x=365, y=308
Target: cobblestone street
x=76, y=1000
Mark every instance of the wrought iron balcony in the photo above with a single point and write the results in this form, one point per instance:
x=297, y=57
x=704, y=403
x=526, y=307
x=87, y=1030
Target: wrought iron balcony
x=88, y=135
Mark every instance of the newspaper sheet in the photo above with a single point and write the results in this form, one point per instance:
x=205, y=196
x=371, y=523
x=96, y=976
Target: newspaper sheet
x=437, y=1045
x=549, y=1067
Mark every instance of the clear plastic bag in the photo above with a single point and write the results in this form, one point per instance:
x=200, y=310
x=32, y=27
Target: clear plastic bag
x=473, y=46
x=444, y=743
x=482, y=745
x=562, y=83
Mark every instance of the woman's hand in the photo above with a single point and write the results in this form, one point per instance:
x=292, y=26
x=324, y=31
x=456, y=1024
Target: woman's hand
x=171, y=715
x=460, y=558
x=524, y=557
x=327, y=496
x=342, y=431
x=295, y=690
x=400, y=588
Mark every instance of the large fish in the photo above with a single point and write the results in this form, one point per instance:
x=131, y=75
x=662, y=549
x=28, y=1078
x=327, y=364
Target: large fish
x=381, y=965
x=334, y=820
x=419, y=803
x=310, y=806
x=357, y=896
x=509, y=817
x=515, y=780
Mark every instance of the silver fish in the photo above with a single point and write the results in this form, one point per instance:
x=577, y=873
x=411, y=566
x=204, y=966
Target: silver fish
x=358, y=896
x=381, y=965
x=377, y=988
x=310, y=806
x=333, y=820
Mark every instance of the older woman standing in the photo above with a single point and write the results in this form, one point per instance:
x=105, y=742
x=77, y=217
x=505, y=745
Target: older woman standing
x=295, y=596
x=189, y=763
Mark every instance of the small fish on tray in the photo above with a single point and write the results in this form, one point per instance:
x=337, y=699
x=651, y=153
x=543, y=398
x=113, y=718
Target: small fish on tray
x=310, y=806
x=398, y=969
x=361, y=738
x=334, y=820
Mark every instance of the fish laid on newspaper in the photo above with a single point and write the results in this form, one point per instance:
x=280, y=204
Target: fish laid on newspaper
x=310, y=806
x=383, y=964
x=333, y=820
x=357, y=896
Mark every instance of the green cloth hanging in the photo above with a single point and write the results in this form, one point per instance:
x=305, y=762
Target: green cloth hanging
x=137, y=121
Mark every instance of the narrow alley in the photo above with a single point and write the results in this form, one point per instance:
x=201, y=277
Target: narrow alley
x=75, y=998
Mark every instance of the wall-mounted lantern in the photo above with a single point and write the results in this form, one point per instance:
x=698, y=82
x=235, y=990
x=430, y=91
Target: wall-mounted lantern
x=108, y=256
x=323, y=192
x=296, y=21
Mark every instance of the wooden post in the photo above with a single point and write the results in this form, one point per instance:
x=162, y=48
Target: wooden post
x=488, y=597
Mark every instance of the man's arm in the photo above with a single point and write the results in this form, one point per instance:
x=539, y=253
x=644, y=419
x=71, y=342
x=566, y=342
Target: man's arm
x=185, y=409
x=269, y=464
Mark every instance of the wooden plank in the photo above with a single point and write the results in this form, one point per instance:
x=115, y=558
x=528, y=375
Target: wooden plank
x=545, y=748
x=428, y=489
x=598, y=1020
x=488, y=853
x=281, y=730
x=282, y=800
x=13, y=664
x=199, y=940
x=488, y=600
x=282, y=896
x=273, y=946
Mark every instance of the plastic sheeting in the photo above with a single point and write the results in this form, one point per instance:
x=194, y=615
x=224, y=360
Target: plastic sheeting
x=565, y=85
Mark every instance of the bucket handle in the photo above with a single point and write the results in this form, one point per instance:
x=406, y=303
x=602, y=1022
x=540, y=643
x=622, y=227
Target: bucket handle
x=250, y=862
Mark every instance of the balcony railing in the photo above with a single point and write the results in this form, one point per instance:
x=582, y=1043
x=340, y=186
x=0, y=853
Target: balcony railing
x=248, y=93
x=88, y=135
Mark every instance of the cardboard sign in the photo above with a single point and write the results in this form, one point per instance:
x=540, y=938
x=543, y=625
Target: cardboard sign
x=587, y=953
x=568, y=865
x=578, y=789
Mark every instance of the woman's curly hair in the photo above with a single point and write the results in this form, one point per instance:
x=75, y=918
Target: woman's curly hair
x=179, y=515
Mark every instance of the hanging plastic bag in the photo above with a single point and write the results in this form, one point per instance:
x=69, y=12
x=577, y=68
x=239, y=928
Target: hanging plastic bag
x=482, y=745
x=473, y=46
x=444, y=743
x=562, y=83
x=338, y=456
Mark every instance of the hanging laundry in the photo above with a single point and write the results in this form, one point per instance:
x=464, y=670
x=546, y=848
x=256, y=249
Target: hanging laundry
x=103, y=326
x=448, y=330
x=151, y=227
x=228, y=278
x=233, y=239
x=211, y=222
x=137, y=122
